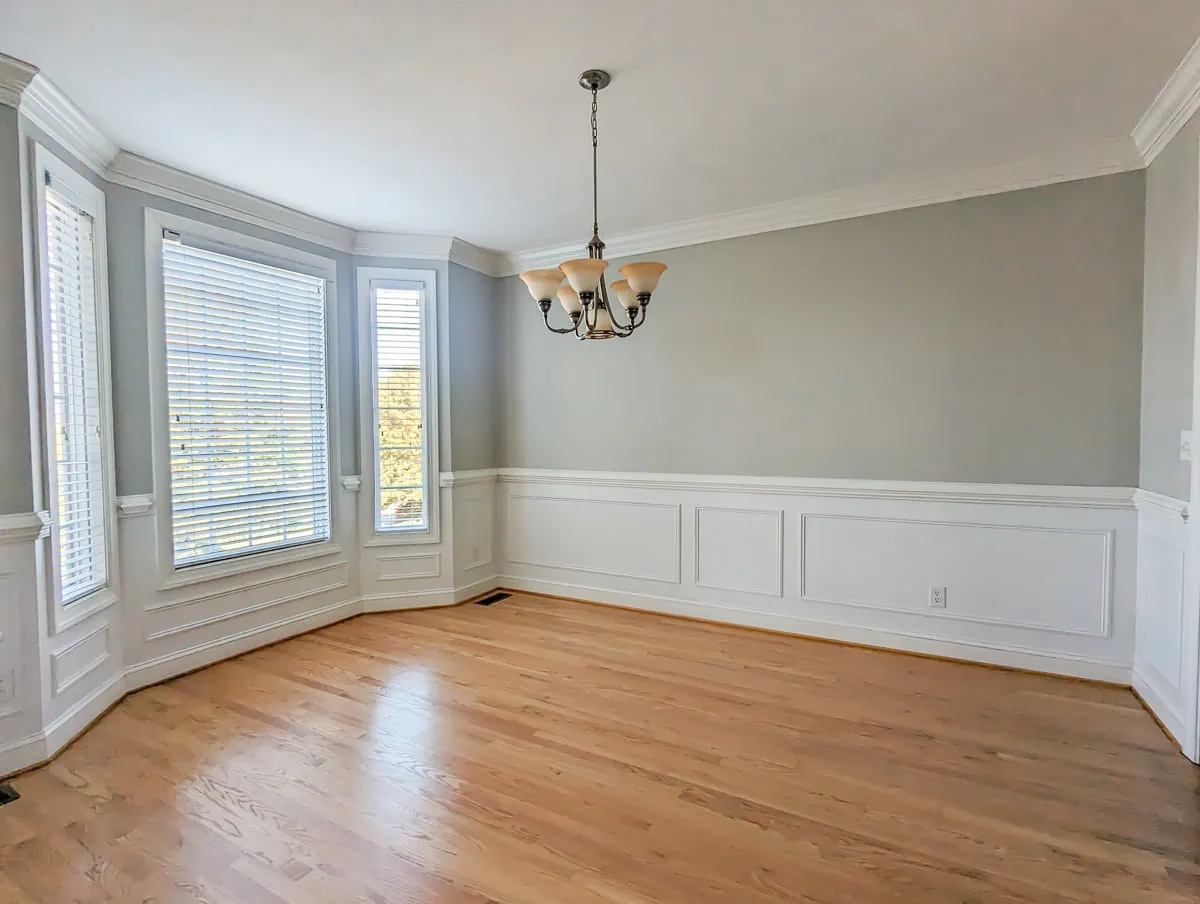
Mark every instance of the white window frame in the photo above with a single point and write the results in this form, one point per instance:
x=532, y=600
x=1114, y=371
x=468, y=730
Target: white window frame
x=237, y=244
x=384, y=277
x=90, y=199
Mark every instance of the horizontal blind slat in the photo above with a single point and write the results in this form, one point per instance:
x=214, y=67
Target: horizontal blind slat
x=247, y=392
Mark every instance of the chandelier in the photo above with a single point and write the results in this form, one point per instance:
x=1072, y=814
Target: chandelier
x=585, y=297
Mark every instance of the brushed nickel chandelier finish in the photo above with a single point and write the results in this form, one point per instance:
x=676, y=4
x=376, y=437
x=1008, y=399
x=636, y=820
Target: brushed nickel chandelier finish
x=585, y=296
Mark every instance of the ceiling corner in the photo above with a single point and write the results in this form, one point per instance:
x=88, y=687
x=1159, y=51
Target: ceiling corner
x=15, y=76
x=54, y=113
x=1175, y=104
x=481, y=260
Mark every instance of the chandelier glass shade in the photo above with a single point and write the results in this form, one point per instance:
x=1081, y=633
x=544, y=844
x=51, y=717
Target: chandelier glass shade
x=579, y=284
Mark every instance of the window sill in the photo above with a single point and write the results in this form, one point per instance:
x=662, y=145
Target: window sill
x=215, y=571
x=80, y=610
x=403, y=538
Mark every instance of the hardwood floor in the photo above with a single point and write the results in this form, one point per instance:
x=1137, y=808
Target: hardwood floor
x=545, y=752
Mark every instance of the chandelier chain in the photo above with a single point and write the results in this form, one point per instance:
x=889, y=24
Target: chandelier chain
x=595, y=146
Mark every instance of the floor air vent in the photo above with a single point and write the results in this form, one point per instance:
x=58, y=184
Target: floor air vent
x=8, y=794
x=492, y=598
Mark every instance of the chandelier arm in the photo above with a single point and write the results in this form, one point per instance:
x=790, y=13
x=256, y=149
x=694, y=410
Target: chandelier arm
x=620, y=329
x=544, y=307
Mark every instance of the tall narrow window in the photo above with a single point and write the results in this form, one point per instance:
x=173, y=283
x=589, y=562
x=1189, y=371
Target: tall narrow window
x=399, y=407
x=75, y=421
x=246, y=400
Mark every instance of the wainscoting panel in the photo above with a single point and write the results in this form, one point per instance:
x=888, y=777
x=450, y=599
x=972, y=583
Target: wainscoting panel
x=739, y=550
x=1046, y=579
x=1034, y=577
x=80, y=658
x=1166, y=620
x=615, y=537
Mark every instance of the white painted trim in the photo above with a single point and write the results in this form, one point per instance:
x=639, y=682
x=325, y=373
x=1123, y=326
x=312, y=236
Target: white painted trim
x=395, y=244
x=1170, y=111
x=1148, y=502
x=431, y=373
x=481, y=260
x=91, y=200
x=67, y=727
x=135, y=505
x=41, y=746
x=427, y=599
x=24, y=527
x=245, y=586
x=169, y=665
x=164, y=181
x=1082, y=163
x=470, y=478
x=1166, y=715
x=279, y=255
x=15, y=76
x=899, y=641
x=56, y=115
x=908, y=491
x=221, y=617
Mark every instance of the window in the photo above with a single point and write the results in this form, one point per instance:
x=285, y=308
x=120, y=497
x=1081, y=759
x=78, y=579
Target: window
x=400, y=362
x=74, y=362
x=248, y=428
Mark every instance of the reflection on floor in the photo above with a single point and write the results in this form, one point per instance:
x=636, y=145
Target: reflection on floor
x=545, y=752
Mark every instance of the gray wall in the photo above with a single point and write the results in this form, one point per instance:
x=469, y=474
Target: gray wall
x=129, y=328
x=16, y=486
x=474, y=371
x=1172, y=206
x=996, y=339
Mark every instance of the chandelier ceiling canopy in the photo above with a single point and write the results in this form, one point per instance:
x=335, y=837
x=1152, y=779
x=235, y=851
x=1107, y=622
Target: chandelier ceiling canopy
x=585, y=295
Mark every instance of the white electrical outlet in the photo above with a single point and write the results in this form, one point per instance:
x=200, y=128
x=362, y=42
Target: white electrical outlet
x=937, y=597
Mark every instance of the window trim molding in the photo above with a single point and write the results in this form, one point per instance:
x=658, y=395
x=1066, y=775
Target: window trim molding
x=262, y=251
x=369, y=535
x=81, y=192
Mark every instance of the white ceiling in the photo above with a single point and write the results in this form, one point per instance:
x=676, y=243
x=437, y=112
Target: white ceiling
x=463, y=117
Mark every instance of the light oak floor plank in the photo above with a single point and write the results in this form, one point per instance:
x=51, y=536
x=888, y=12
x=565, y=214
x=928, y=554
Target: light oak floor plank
x=540, y=751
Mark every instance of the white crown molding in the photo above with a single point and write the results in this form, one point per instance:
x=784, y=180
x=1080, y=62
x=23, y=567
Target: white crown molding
x=1175, y=104
x=396, y=244
x=164, y=181
x=1115, y=156
x=15, y=76
x=56, y=115
x=906, y=490
x=481, y=260
x=1151, y=503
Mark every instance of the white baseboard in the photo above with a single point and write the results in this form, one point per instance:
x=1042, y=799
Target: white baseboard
x=38, y=748
x=20, y=755
x=1171, y=720
x=153, y=671
x=905, y=642
x=426, y=599
x=76, y=720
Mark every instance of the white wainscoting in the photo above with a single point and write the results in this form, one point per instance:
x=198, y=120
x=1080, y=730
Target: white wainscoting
x=21, y=738
x=1168, y=623
x=1035, y=577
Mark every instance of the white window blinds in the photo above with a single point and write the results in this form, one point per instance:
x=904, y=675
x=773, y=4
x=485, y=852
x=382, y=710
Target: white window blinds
x=246, y=395
x=75, y=421
x=400, y=438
